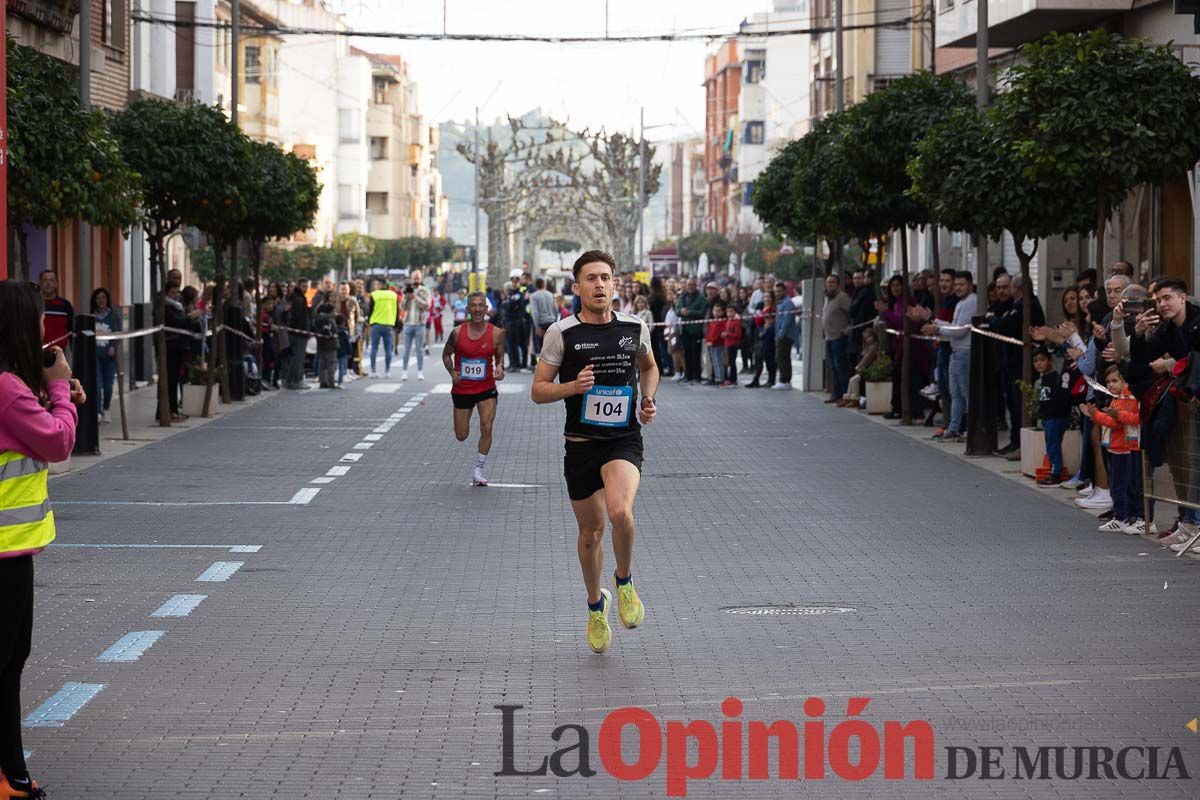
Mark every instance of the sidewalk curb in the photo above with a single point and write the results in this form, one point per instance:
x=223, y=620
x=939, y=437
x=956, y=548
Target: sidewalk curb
x=113, y=446
x=999, y=467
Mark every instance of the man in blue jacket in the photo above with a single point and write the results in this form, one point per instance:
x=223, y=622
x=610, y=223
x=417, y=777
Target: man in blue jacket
x=787, y=328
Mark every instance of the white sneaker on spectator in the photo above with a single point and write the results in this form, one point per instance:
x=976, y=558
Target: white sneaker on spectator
x=1087, y=490
x=388, y=374
x=371, y=375
x=1137, y=526
x=1179, y=548
x=781, y=385
x=404, y=375
x=930, y=391
x=1100, y=500
x=1074, y=483
x=1112, y=526
x=106, y=417
x=420, y=375
x=679, y=377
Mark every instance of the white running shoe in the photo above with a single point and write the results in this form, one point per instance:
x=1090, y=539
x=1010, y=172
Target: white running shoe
x=1073, y=483
x=1099, y=500
x=782, y=386
x=371, y=374
x=106, y=417
x=388, y=374
x=404, y=375
x=420, y=375
x=1112, y=526
x=1137, y=526
x=679, y=377
x=1087, y=490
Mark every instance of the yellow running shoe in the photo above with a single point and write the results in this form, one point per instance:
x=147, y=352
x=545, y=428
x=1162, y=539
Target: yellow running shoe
x=598, y=632
x=629, y=605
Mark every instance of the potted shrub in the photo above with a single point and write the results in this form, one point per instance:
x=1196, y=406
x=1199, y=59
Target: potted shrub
x=1033, y=441
x=878, y=379
x=199, y=378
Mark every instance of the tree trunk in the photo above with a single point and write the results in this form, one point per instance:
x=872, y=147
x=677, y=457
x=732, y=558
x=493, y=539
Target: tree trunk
x=1026, y=321
x=256, y=262
x=23, y=241
x=1101, y=224
x=158, y=294
x=937, y=267
x=906, y=342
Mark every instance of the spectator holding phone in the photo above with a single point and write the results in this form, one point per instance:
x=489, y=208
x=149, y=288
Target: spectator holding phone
x=37, y=426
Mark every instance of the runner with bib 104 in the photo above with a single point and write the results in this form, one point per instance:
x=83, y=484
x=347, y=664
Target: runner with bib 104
x=602, y=362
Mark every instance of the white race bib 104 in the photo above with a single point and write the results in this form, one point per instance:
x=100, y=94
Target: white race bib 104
x=473, y=369
x=608, y=406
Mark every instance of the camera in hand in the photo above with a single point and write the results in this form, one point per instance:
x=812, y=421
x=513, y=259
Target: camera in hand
x=1135, y=307
x=48, y=358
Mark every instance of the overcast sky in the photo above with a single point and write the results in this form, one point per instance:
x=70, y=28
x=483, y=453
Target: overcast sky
x=591, y=84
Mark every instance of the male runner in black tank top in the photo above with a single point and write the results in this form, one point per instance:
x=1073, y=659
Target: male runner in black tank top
x=603, y=362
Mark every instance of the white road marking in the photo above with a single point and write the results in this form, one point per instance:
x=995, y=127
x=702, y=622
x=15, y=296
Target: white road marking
x=220, y=571
x=364, y=445
x=383, y=388
x=372, y=437
x=502, y=388
x=130, y=647
x=323, y=479
x=179, y=606
x=515, y=486
x=233, y=548
x=303, y=497
x=338, y=471
x=351, y=457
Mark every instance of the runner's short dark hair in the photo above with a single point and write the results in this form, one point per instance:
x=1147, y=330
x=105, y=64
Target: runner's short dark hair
x=1171, y=283
x=592, y=257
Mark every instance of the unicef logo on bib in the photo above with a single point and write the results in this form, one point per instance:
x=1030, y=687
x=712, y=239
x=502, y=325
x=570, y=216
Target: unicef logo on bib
x=607, y=406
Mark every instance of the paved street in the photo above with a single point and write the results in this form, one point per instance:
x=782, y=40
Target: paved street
x=363, y=628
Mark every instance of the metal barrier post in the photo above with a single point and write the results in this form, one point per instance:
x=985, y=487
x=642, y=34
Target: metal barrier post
x=982, y=391
x=87, y=433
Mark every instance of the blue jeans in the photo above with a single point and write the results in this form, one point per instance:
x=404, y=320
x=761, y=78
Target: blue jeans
x=716, y=360
x=343, y=365
x=1054, y=428
x=835, y=354
x=106, y=372
x=942, y=376
x=414, y=334
x=960, y=379
x=381, y=333
x=1125, y=484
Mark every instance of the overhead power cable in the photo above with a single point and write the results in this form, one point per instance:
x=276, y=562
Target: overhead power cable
x=287, y=30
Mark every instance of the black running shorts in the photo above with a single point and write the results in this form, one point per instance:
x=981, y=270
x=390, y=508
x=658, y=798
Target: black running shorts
x=583, y=461
x=468, y=401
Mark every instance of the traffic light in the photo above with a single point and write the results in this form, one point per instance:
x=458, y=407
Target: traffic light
x=1189, y=7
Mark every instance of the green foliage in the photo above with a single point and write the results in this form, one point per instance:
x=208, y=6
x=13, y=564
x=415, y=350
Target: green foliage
x=1099, y=114
x=63, y=161
x=280, y=194
x=880, y=370
x=714, y=245
x=763, y=256
x=973, y=177
x=406, y=253
x=190, y=158
x=560, y=246
x=878, y=137
x=773, y=198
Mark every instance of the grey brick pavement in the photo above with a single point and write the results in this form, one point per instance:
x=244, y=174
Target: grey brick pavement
x=360, y=653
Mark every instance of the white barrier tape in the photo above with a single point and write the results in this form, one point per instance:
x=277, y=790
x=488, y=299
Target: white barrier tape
x=895, y=332
x=237, y=332
x=1092, y=382
x=998, y=337
x=53, y=342
x=800, y=314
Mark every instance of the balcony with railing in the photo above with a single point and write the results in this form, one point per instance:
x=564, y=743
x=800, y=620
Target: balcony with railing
x=1014, y=22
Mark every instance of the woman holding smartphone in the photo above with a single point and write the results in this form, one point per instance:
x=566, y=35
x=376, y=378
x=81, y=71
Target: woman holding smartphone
x=37, y=426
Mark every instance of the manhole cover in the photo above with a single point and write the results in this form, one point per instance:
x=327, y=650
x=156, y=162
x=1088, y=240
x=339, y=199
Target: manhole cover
x=787, y=611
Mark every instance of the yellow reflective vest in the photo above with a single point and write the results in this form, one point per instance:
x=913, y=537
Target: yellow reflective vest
x=383, y=308
x=26, y=521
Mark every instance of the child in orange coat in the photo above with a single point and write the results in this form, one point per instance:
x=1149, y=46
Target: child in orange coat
x=1121, y=424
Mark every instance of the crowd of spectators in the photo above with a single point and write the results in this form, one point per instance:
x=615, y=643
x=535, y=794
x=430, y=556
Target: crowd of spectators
x=1117, y=368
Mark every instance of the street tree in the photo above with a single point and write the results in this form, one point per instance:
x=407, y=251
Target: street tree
x=560, y=246
x=974, y=176
x=64, y=162
x=713, y=245
x=181, y=152
x=281, y=196
x=878, y=137
x=1099, y=114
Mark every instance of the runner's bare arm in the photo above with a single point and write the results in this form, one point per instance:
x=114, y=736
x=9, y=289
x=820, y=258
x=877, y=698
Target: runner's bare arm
x=648, y=383
x=498, y=353
x=546, y=390
x=448, y=354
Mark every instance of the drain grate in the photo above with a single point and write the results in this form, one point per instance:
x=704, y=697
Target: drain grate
x=787, y=611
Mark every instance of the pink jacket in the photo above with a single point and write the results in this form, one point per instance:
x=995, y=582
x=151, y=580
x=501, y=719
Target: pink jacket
x=28, y=428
